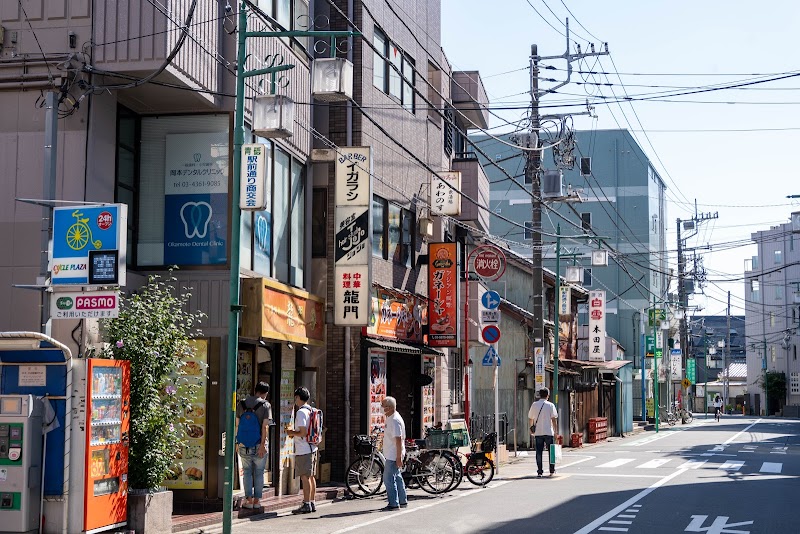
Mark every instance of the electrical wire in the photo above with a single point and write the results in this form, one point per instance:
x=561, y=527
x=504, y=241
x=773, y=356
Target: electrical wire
x=36, y=38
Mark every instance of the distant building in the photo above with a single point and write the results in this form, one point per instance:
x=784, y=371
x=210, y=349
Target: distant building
x=707, y=341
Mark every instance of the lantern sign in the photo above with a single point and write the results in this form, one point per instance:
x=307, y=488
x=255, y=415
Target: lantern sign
x=489, y=263
x=445, y=193
x=597, y=326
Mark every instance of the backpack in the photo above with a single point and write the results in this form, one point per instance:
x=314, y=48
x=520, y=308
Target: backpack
x=314, y=429
x=249, y=432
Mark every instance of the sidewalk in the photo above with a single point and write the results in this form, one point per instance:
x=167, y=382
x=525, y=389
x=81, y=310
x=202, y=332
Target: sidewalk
x=521, y=466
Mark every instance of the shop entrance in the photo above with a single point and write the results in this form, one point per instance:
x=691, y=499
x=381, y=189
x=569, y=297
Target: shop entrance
x=403, y=372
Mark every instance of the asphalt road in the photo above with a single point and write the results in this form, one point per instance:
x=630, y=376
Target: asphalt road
x=738, y=476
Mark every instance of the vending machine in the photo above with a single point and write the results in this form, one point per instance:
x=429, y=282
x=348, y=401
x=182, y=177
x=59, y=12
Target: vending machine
x=20, y=462
x=107, y=423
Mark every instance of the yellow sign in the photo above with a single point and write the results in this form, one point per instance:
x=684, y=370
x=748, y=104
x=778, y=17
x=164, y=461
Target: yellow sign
x=686, y=382
x=651, y=409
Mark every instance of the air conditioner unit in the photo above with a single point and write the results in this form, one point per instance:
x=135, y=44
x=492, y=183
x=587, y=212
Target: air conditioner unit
x=586, y=166
x=552, y=184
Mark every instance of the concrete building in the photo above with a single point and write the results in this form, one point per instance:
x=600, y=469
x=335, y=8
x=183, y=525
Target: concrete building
x=772, y=314
x=708, y=337
x=623, y=200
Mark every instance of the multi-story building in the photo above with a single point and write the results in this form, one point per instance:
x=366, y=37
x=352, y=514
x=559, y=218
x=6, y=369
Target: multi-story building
x=772, y=314
x=708, y=346
x=622, y=199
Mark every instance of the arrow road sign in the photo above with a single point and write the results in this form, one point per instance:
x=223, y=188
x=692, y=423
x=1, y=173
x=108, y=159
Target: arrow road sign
x=490, y=334
x=490, y=300
x=489, y=358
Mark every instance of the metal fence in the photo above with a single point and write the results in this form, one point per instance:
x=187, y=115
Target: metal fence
x=480, y=425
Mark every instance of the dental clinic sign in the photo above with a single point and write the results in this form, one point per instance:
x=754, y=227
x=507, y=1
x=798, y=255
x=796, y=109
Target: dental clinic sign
x=195, y=199
x=89, y=244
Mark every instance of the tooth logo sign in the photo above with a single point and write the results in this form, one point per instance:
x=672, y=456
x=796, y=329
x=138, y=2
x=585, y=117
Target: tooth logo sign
x=196, y=216
x=262, y=233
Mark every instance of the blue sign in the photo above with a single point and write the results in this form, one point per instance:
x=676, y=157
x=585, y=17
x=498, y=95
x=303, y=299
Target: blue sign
x=490, y=357
x=490, y=300
x=675, y=352
x=490, y=334
x=78, y=230
x=195, y=229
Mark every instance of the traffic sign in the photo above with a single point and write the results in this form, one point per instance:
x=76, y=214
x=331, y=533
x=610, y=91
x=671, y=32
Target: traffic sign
x=686, y=383
x=490, y=357
x=490, y=334
x=490, y=262
x=490, y=316
x=490, y=300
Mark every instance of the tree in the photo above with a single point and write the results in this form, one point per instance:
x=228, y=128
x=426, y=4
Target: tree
x=153, y=331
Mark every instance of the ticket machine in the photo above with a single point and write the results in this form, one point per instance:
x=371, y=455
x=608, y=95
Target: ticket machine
x=20, y=462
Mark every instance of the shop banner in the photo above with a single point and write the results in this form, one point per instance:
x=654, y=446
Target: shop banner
x=254, y=188
x=352, y=236
x=428, y=392
x=675, y=367
x=445, y=195
x=397, y=317
x=538, y=368
x=443, y=295
x=377, y=389
x=597, y=326
x=277, y=311
x=564, y=301
x=286, y=416
x=188, y=471
x=196, y=199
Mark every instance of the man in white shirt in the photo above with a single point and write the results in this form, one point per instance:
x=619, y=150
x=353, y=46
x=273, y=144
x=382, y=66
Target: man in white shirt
x=543, y=419
x=305, y=453
x=394, y=449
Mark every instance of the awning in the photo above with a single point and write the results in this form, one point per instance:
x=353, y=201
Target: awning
x=610, y=365
x=394, y=346
x=31, y=347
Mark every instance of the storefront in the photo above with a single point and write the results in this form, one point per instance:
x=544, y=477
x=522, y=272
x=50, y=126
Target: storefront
x=281, y=344
x=396, y=362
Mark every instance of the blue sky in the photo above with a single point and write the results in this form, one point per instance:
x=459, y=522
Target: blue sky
x=744, y=175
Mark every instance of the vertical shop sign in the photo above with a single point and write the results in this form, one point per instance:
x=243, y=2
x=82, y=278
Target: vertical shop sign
x=352, y=234
x=428, y=397
x=196, y=199
x=445, y=196
x=188, y=471
x=538, y=368
x=377, y=389
x=255, y=191
x=442, y=295
x=286, y=416
x=597, y=326
x=564, y=301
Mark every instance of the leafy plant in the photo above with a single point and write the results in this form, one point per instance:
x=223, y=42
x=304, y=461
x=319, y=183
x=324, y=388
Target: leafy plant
x=153, y=331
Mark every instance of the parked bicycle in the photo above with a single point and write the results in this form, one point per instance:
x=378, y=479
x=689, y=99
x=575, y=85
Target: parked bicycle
x=670, y=417
x=476, y=465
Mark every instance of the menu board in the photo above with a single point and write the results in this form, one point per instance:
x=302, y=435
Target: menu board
x=244, y=375
x=377, y=389
x=188, y=471
x=428, y=399
x=286, y=415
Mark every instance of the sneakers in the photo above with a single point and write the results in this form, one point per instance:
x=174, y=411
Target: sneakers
x=403, y=505
x=552, y=473
x=388, y=508
x=305, y=508
x=313, y=506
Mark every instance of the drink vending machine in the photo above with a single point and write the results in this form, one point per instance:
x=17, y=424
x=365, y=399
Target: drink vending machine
x=20, y=462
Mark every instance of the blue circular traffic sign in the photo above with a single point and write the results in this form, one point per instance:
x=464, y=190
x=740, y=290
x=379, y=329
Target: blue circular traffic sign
x=490, y=334
x=490, y=300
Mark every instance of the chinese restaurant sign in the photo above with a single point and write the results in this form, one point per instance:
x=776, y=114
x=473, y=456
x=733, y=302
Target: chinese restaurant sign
x=597, y=326
x=277, y=311
x=397, y=317
x=442, y=295
x=352, y=234
x=445, y=195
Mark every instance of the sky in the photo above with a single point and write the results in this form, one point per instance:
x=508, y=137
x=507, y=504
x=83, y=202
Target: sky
x=731, y=151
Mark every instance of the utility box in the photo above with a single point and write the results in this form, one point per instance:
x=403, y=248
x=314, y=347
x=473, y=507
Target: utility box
x=20, y=462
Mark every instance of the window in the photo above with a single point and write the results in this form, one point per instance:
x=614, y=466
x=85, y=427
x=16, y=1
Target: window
x=297, y=205
x=434, y=89
x=528, y=232
x=587, y=277
x=319, y=223
x=392, y=232
x=778, y=292
x=393, y=70
x=772, y=318
x=378, y=226
x=455, y=378
x=127, y=158
x=448, y=129
x=407, y=238
x=281, y=235
x=778, y=257
x=292, y=15
x=586, y=222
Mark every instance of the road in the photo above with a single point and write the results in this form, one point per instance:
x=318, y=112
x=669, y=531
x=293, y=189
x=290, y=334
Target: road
x=736, y=476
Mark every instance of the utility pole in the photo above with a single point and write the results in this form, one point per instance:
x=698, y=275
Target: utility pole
x=48, y=193
x=726, y=357
x=533, y=174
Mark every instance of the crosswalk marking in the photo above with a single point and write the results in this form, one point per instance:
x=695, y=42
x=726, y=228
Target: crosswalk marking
x=627, y=516
x=613, y=529
x=732, y=465
x=692, y=464
x=618, y=462
x=620, y=522
x=652, y=464
x=771, y=467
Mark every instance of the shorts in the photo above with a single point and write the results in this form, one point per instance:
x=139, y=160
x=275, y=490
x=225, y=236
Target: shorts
x=305, y=464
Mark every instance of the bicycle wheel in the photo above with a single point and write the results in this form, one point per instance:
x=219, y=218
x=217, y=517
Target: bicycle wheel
x=364, y=477
x=458, y=469
x=436, y=472
x=479, y=469
x=687, y=417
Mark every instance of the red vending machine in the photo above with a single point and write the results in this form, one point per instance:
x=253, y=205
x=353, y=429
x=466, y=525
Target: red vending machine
x=107, y=442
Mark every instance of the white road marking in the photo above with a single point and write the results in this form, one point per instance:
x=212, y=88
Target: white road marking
x=630, y=503
x=692, y=464
x=615, y=522
x=627, y=516
x=633, y=511
x=618, y=462
x=614, y=475
x=652, y=464
x=732, y=465
x=771, y=467
x=732, y=438
x=718, y=526
x=415, y=509
x=613, y=529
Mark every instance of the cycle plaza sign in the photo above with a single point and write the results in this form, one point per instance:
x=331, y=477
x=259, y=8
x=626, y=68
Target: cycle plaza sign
x=89, y=244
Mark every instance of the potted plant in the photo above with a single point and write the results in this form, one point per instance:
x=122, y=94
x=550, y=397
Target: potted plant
x=153, y=331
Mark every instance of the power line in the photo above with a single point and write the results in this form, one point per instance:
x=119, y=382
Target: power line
x=36, y=38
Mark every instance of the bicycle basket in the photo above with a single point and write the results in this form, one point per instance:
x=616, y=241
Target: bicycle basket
x=447, y=439
x=489, y=443
x=362, y=444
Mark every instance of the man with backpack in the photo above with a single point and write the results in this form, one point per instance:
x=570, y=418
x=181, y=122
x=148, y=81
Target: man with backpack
x=253, y=417
x=307, y=433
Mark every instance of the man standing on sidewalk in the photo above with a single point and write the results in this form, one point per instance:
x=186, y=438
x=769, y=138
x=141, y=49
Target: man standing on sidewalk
x=253, y=417
x=394, y=448
x=305, y=453
x=543, y=419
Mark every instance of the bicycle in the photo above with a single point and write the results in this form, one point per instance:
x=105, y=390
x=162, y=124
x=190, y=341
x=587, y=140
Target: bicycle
x=686, y=416
x=670, y=416
x=478, y=468
x=717, y=413
x=79, y=234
